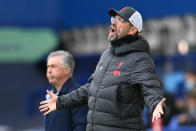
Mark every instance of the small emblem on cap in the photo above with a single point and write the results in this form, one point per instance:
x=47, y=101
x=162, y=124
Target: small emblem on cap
x=123, y=9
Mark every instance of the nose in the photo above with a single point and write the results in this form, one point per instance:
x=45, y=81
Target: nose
x=49, y=70
x=114, y=22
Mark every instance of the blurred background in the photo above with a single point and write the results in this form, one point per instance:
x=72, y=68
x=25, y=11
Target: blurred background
x=30, y=29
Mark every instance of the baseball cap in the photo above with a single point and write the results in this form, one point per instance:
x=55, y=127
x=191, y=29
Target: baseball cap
x=129, y=14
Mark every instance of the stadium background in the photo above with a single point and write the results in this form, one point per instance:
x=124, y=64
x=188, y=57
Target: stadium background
x=30, y=29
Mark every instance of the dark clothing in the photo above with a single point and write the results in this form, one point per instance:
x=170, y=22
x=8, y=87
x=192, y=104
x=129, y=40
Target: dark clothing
x=123, y=82
x=67, y=119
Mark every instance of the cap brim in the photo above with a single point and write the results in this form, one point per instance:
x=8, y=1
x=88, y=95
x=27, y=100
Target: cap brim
x=112, y=12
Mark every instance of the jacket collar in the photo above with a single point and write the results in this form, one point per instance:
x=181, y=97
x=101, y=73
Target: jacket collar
x=65, y=88
x=129, y=44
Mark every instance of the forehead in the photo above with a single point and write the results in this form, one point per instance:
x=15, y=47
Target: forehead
x=54, y=60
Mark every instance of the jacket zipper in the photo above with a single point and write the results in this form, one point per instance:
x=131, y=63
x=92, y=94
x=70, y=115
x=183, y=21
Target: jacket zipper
x=110, y=59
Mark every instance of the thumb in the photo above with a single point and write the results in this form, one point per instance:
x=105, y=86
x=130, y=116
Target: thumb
x=50, y=93
x=163, y=101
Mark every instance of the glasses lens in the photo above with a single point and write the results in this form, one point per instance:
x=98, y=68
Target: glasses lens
x=118, y=20
x=112, y=19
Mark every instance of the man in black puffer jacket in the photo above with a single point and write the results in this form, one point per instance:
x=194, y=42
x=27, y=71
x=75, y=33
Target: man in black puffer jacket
x=123, y=82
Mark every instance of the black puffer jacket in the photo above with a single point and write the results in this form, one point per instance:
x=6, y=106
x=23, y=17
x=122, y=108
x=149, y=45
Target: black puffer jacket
x=123, y=82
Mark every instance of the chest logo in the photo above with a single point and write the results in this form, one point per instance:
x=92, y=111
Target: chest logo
x=117, y=72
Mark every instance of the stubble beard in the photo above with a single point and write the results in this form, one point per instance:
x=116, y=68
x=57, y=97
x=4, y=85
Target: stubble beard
x=113, y=37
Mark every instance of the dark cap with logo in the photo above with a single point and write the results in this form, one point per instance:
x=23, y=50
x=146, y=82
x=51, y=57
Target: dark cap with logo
x=129, y=14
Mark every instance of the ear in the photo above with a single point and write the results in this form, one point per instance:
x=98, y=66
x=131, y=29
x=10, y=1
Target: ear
x=133, y=30
x=67, y=70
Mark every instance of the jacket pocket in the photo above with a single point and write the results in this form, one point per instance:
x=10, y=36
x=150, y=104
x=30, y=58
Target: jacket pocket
x=129, y=100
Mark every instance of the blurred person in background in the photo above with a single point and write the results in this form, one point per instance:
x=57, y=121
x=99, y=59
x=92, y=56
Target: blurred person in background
x=60, y=67
x=190, y=81
x=185, y=86
x=123, y=82
x=185, y=101
x=188, y=116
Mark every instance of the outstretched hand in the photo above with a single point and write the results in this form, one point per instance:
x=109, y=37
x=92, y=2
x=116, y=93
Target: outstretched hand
x=158, y=111
x=49, y=105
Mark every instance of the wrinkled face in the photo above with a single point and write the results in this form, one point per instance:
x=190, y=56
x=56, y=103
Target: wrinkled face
x=119, y=28
x=55, y=70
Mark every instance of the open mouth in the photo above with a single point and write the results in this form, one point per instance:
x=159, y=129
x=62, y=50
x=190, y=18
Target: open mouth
x=112, y=30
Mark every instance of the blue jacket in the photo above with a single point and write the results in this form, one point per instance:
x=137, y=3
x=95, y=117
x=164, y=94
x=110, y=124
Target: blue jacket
x=67, y=119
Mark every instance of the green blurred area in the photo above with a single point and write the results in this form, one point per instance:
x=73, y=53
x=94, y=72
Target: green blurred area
x=25, y=45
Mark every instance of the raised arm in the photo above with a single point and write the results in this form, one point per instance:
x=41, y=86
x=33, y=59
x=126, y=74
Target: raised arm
x=144, y=75
x=74, y=99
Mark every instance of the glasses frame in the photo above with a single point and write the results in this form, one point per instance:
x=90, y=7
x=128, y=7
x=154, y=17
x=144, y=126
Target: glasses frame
x=119, y=19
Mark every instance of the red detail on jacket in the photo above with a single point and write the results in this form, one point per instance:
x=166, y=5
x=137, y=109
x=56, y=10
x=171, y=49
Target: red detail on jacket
x=121, y=63
x=116, y=73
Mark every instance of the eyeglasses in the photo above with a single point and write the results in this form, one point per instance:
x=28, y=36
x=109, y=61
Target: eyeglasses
x=121, y=20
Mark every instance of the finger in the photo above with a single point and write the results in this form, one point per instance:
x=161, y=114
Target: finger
x=153, y=118
x=159, y=115
x=161, y=111
x=44, y=102
x=43, y=106
x=46, y=113
x=44, y=109
x=50, y=93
